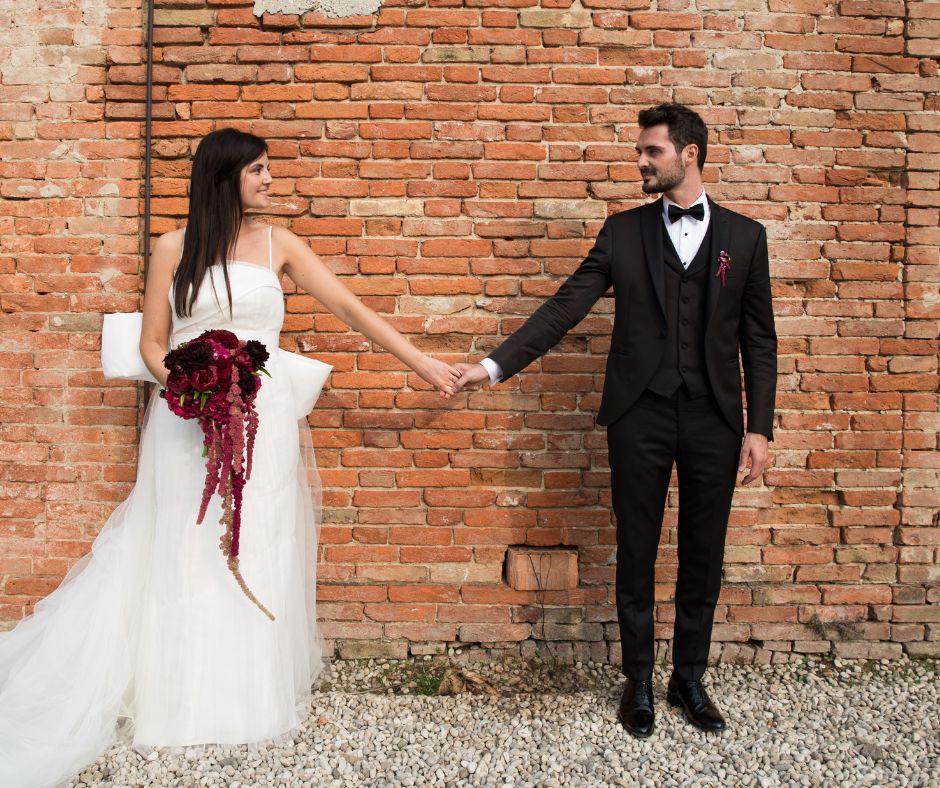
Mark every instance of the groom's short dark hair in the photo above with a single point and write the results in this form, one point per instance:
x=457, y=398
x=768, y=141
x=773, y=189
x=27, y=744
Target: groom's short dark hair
x=686, y=127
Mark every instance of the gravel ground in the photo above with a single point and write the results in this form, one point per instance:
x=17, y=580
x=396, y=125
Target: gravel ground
x=817, y=722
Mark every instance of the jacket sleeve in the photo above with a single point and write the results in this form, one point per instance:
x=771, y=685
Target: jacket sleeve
x=758, y=340
x=560, y=313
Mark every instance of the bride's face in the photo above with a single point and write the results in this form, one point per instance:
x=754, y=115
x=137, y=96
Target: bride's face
x=255, y=179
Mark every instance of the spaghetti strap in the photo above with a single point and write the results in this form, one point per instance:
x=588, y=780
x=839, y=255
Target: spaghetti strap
x=270, y=248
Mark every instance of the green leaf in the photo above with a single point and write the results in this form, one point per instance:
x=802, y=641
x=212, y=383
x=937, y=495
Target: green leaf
x=203, y=399
x=262, y=369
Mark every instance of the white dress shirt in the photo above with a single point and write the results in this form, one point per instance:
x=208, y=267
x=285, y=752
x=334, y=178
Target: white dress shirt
x=686, y=235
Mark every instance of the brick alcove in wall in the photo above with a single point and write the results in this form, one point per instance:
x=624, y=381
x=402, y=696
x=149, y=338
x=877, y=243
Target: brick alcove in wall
x=453, y=161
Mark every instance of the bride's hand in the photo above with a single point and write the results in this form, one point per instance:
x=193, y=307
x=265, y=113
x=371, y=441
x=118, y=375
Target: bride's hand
x=440, y=375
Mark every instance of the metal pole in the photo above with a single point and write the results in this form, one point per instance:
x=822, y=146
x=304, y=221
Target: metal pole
x=148, y=122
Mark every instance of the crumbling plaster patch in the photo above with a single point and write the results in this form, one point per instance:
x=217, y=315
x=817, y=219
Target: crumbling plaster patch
x=330, y=8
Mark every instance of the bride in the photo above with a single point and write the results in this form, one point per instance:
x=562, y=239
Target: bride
x=149, y=636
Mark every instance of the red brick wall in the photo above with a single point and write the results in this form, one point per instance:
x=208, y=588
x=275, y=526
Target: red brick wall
x=69, y=250
x=453, y=162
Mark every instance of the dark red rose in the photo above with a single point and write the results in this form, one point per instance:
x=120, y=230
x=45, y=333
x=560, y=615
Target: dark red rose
x=223, y=337
x=223, y=368
x=177, y=382
x=204, y=379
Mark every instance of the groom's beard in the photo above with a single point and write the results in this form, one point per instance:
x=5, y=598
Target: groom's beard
x=663, y=181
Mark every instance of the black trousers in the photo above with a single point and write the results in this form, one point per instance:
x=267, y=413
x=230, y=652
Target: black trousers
x=643, y=445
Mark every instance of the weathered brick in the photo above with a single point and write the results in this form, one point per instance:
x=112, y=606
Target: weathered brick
x=452, y=164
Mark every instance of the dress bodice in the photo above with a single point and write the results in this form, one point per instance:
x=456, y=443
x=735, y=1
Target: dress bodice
x=257, y=305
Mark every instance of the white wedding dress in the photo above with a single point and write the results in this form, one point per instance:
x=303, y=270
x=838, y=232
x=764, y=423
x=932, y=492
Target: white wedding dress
x=149, y=638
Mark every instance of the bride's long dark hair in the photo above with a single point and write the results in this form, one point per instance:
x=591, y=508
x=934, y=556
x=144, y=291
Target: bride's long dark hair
x=215, y=210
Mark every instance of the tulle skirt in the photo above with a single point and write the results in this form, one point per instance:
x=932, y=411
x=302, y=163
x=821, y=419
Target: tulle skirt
x=149, y=638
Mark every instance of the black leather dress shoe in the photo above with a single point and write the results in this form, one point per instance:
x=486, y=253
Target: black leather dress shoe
x=694, y=701
x=636, y=708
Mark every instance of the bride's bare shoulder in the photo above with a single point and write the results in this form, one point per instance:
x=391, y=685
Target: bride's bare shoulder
x=281, y=234
x=167, y=249
x=290, y=245
x=172, y=239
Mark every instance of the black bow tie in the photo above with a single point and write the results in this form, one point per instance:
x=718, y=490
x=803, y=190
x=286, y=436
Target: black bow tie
x=697, y=211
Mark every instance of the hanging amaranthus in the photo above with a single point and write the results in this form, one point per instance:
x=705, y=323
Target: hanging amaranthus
x=214, y=379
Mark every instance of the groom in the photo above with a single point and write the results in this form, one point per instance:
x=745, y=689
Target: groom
x=691, y=287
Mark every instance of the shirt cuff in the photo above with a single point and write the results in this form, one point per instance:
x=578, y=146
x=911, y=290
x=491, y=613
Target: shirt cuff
x=493, y=370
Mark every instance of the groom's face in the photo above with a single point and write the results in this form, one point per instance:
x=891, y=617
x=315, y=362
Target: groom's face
x=661, y=167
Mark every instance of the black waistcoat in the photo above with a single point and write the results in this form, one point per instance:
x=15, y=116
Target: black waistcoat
x=683, y=359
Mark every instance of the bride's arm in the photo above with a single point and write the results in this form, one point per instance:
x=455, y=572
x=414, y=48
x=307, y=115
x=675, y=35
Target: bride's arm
x=155, y=332
x=308, y=272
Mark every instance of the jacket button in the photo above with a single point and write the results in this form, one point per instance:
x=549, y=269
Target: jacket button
x=685, y=321
x=685, y=299
x=685, y=345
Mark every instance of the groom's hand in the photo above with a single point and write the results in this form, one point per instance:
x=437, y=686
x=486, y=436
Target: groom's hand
x=472, y=376
x=754, y=450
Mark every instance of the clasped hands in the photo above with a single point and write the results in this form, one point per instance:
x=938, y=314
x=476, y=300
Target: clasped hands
x=451, y=379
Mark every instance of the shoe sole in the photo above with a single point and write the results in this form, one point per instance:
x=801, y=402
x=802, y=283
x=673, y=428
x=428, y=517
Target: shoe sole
x=675, y=700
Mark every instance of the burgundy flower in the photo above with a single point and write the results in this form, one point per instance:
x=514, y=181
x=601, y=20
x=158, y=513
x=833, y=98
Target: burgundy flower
x=257, y=352
x=223, y=366
x=724, y=265
x=225, y=338
x=248, y=381
x=177, y=382
x=188, y=357
x=204, y=379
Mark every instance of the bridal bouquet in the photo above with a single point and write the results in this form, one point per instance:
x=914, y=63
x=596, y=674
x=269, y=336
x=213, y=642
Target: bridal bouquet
x=214, y=379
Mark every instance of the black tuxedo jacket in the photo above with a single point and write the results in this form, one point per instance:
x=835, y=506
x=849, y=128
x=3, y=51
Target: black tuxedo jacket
x=628, y=255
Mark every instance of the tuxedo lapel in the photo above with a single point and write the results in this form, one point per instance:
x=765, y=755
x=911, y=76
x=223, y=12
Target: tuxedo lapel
x=721, y=235
x=653, y=251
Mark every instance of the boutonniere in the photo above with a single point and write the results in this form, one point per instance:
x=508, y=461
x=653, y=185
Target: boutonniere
x=724, y=265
